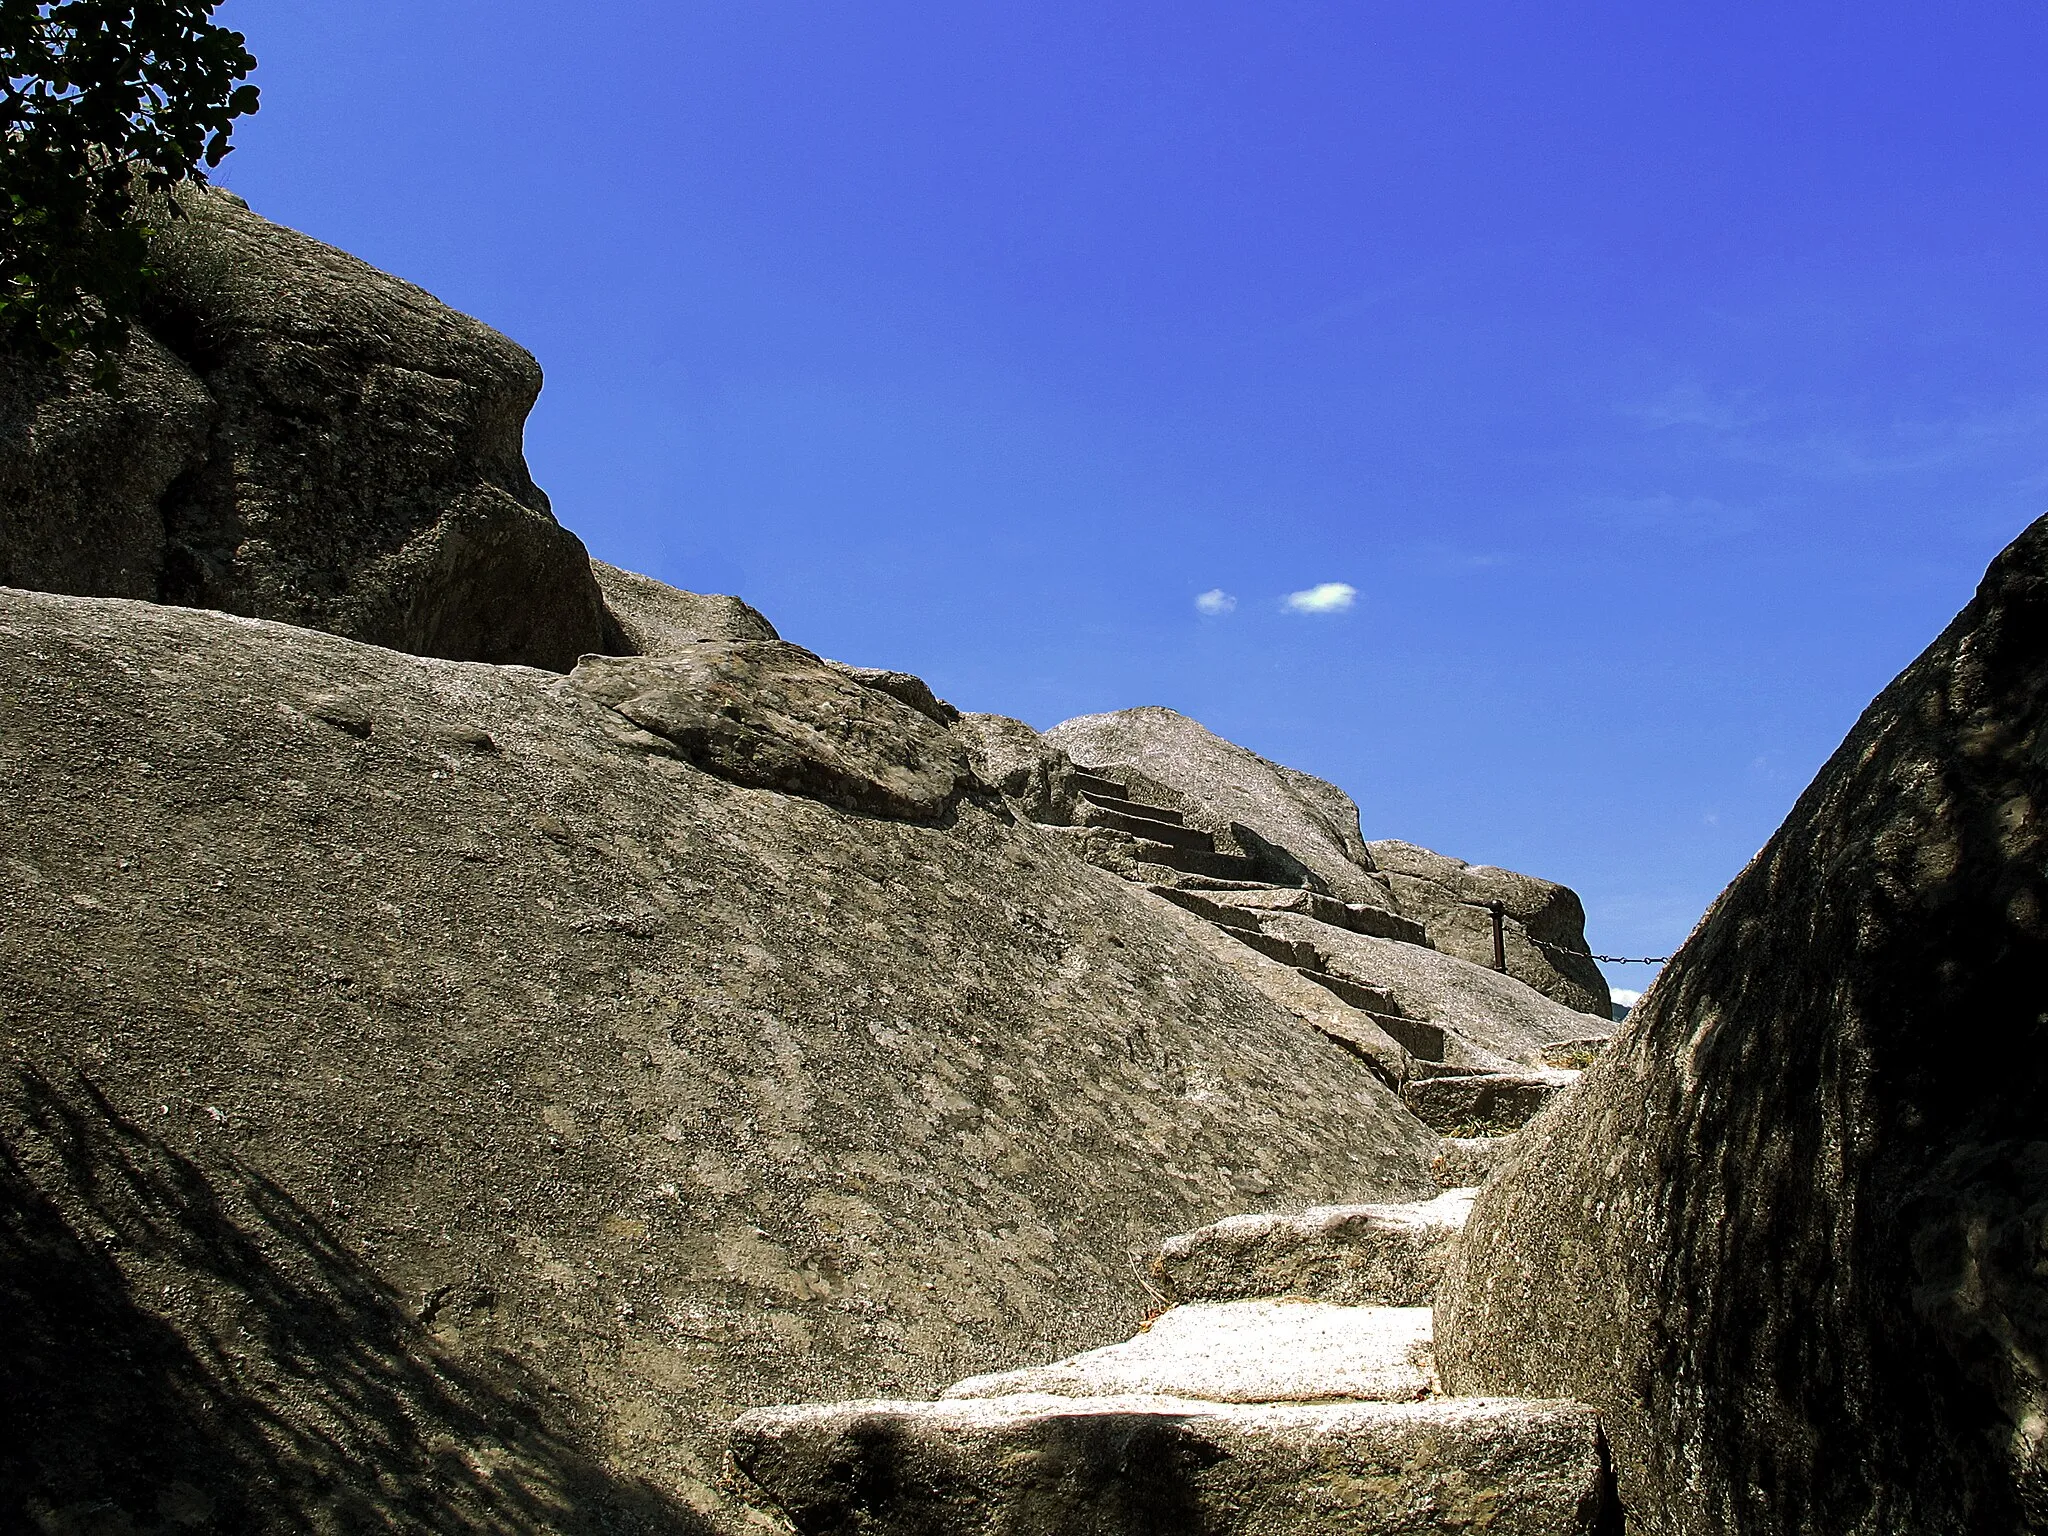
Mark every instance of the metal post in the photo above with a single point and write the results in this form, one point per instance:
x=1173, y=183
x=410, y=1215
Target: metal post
x=1500, y=940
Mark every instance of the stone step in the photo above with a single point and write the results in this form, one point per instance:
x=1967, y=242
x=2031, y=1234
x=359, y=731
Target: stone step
x=1262, y=1351
x=1351, y=1255
x=1299, y=953
x=1488, y=1103
x=1451, y=1069
x=1172, y=834
x=1576, y=1055
x=1194, y=861
x=1356, y=993
x=1202, y=906
x=1148, y=1466
x=1425, y=1042
x=1354, y=917
x=1466, y=1162
x=1128, y=807
x=1095, y=784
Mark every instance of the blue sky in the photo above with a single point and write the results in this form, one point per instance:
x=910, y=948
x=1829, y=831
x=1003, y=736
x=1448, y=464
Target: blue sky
x=1658, y=379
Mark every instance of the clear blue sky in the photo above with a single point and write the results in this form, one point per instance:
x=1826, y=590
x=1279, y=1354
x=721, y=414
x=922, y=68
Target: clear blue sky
x=1660, y=377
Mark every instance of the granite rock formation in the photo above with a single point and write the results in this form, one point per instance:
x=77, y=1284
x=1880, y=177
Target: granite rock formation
x=1296, y=830
x=654, y=618
x=1301, y=829
x=1543, y=930
x=1787, y=1235
x=440, y=1094
x=430, y=1105
x=299, y=437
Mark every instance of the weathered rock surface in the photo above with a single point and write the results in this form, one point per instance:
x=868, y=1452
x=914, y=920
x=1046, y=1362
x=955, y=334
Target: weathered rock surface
x=654, y=618
x=1359, y=917
x=1261, y=1351
x=1352, y=1028
x=904, y=688
x=1494, y=1020
x=1543, y=934
x=1787, y=1234
x=771, y=715
x=1135, y=1466
x=1482, y=1104
x=301, y=438
x=1351, y=1255
x=1013, y=758
x=1290, y=824
x=1465, y=1162
x=427, y=1110
x=83, y=471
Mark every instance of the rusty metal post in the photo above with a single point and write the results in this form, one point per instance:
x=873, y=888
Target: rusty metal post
x=1500, y=938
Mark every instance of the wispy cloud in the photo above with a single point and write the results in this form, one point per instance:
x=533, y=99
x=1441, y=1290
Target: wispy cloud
x=1829, y=439
x=1216, y=602
x=1664, y=513
x=1692, y=405
x=1328, y=597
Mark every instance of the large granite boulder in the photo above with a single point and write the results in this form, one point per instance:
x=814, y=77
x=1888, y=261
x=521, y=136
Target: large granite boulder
x=1788, y=1236
x=428, y=1106
x=1491, y=1021
x=655, y=618
x=1301, y=829
x=772, y=715
x=299, y=437
x=1013, y=758
x=1543, y=928
x=83, y=470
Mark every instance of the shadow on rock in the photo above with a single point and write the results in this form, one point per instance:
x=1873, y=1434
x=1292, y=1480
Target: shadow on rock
x=190, y=1349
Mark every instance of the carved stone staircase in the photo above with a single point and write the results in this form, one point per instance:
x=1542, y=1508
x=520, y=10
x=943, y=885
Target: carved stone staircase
x=1289, y=1388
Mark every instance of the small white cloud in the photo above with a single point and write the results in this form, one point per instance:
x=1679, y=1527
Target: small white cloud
x=1330, y=597
x=1216, y=602
x=1624, y=996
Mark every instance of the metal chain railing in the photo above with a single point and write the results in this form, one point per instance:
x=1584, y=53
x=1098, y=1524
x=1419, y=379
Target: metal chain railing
x=1499, y=912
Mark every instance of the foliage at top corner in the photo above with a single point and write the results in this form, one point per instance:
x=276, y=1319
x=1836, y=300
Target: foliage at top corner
x=107, y=103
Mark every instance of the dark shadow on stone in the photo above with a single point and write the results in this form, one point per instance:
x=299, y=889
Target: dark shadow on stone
x=1275, y=862
x=187, y=1348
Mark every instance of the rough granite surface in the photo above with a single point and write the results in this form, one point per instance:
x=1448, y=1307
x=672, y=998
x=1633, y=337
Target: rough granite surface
x=83, y=471
x=654, y=618
x=1153, y=1466
x=1255, y=1351
x=1787, y=1234
x=305, y=439
x=426, y=1110
x=1543, y=931
x=1295, y=825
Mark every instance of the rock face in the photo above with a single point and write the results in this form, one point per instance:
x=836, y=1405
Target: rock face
x=432, y=1106
x=83, y=472
x=1287, y=821
x=1295, y=830
x=654, y=618
x=1137, y=1466
x=1543, y=934
x=300, y=438
x=770, y=714
x=1787, y=1236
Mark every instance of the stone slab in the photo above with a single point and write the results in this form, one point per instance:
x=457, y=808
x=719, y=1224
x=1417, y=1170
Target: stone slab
x=1466, y=1162
x=1245, y=1352
x=1483, y=1103
x=1352, y=1255
x=1153, y=1466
